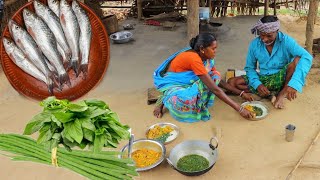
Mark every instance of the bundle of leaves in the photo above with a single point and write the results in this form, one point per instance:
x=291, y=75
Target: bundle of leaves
x=85, y=123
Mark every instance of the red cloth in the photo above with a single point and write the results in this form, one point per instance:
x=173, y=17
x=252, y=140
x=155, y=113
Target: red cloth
x=152, y=22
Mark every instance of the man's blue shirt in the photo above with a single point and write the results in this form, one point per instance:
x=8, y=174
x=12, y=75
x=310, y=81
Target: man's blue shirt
x=284, y=51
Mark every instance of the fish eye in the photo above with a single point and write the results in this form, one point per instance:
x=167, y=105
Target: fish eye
x=16, y=27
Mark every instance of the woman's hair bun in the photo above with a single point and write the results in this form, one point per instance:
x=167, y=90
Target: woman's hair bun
x=192, y=42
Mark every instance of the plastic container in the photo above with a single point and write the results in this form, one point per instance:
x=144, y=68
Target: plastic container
x=204, y=13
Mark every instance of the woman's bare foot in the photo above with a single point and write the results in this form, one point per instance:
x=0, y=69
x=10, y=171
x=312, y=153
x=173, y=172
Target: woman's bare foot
x=279, y=102
x=158, y=111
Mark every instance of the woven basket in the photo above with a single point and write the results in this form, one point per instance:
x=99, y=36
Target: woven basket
x=33, y=88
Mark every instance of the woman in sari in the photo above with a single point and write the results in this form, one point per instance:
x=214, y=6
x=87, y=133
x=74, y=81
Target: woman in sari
x=189, y=83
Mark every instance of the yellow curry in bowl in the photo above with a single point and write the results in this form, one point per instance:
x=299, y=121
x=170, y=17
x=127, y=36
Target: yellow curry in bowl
x=145, y=157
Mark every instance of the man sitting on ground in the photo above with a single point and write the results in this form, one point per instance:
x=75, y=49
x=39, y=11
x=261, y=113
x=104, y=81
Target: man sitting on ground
x=283, y=64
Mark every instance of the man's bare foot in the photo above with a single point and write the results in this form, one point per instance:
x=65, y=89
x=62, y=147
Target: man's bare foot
x=158, y=111
x=279, y=102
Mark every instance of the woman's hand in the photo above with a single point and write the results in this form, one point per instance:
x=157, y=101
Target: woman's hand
x=246, y=114
x=247, y=96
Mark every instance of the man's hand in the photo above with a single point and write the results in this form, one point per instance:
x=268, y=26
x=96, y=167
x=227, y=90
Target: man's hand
x=263, y=91
x=247, y=96
x=291, y=93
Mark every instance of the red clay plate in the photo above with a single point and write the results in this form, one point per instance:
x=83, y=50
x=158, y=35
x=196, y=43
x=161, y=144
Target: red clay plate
x=33, y=88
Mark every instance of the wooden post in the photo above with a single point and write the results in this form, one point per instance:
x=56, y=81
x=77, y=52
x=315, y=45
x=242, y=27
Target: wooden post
x=312, y=15
x=275, y=7
x=203, y=3
x=181, y=2
x=139, y=7
x=266, y=7
x=193, y=18
x=210, y=8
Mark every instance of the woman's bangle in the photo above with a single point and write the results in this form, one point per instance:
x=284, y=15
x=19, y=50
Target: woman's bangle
x=241, y=93
x=241, y=109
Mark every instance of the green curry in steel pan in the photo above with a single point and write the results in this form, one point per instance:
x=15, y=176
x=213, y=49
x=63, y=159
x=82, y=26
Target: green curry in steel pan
x=192, y=163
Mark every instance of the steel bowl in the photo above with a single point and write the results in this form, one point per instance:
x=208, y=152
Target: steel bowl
x=202, y=148
x=121, y=37
x=148, y=144
x=128, y=26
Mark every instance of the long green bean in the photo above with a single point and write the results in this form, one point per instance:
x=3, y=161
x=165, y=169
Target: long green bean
x=96, y=166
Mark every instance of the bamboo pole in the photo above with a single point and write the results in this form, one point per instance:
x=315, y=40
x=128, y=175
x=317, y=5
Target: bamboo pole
x=312, y=16
x=305, y=153
x=193, y=18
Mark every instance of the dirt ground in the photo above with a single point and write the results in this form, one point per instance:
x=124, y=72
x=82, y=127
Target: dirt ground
x=248, y=150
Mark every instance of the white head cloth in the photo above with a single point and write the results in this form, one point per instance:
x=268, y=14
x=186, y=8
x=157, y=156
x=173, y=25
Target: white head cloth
x=265, y=27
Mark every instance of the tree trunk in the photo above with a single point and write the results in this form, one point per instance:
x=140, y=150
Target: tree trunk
x=315, y=19
x=193, y=18
x=312, y=15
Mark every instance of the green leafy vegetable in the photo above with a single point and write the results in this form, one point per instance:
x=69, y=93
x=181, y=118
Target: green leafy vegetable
x=85, y=123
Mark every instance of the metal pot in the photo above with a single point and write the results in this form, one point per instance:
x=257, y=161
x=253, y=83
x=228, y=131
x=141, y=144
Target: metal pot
x=202, y=148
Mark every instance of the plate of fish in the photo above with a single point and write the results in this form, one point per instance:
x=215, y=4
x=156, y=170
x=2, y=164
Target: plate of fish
x=163, y=132
x=54, y=48
x=259, y=109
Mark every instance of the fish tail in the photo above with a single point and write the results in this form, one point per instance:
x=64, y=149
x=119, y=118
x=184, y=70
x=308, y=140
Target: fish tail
x=58, y=86
x=64, y=78
x=84, y=69
x=50, y=85
x=66, y=65
x=75, y=66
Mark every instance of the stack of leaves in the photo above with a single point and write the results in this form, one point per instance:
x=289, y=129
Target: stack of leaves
x=88, y=122
x=96, y=166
